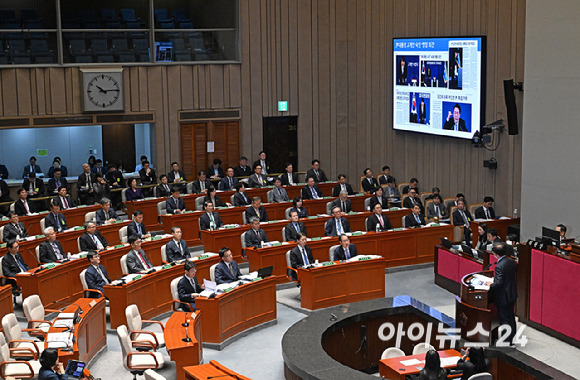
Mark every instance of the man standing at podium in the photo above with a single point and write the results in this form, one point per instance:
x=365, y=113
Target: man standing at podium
x=503, y=290
x=227, y=270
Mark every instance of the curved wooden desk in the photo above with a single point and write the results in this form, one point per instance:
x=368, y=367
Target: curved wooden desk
x=62, y=283
x=228, y=314
x=90, y=333
x=211, y=370
x=341, y=283
x=394, y=369
x=184, y=353
x=151, y=293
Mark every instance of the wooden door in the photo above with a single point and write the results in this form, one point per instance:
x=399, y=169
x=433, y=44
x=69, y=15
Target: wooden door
x=225, y=136
x=119, y=145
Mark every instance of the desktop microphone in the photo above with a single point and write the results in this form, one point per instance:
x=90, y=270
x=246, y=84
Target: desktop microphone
x=185, y=323
x=187, y=339
x=489, y=266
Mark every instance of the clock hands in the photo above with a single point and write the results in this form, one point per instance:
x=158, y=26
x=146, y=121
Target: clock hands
x=105, y=91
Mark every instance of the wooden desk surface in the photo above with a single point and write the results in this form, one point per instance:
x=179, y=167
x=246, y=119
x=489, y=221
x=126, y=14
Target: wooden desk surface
x=213, y=369
x=404, y=247
x=76, y=216
x=393, y=368
x=184, y=353
x=231, y=313
x=151, y=293
x=341, y=283
x=90, y=333
x=6, y=305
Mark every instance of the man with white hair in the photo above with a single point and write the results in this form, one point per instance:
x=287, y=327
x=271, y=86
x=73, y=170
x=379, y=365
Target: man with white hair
x=50, y=250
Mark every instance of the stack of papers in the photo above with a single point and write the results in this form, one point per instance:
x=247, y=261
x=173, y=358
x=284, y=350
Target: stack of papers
x=449, y=361
x=481, y=282
x=59, y=340
x=411, y=362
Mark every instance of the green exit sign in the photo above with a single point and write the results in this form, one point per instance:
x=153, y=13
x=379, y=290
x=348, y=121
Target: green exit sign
x=282, y=106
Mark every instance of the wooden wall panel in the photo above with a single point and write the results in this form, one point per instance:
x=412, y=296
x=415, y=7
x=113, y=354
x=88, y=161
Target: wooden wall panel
x=331, y=60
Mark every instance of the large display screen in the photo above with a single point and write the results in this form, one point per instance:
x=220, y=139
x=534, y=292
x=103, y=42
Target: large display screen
x=438, y=85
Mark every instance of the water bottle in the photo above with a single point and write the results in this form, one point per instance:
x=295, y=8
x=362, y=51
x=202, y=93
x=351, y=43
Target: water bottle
x=515, y=213
x=68, y=255
x=378, y=228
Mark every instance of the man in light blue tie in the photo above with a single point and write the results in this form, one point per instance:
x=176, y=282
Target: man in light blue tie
x=311, y=191
x=337, y=225
x=346, y=250
x=295, y=227
x=415, y=219
x=300, y=256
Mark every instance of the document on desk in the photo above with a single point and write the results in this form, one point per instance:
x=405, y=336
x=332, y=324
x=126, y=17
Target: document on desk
x=481, y=282
x=449, y=361
x=67, y=323
x=411, y=362
x=59, y=340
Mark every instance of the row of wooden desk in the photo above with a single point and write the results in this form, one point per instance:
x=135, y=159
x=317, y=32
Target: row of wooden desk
x=62, y=283
x=74, y=217
x=403, y=247
x=149, y=206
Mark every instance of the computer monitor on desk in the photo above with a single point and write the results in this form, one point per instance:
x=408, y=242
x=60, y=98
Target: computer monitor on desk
x=551, y=237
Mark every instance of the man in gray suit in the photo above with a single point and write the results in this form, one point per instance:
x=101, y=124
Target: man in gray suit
x=343, y=203
x=279, y=193
x=437, y=209
x=137, y=260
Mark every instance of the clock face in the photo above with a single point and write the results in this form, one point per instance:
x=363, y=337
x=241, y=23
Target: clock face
x=103, y=91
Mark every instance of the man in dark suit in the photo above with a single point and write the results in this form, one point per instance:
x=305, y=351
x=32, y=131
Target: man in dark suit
x=256, y=210
x=4, y=195
x=14, y=230
x=229, y=182
x=163, y=189
x=176, y=249
x=293, y=228
x=137, y=227
x=257, y=180
x=337, y=225
x=105, y=214
x=346, y=250
x=415, y=219
x=56, y=164
x=96, y=275
x=34, y=186
x=210, y=220
x=255, y=235
x=63, y=199
x=227, y=270
x=369, y=182
x=377, y=221
x=413, y=184
x=13, y=263
x=147, y=174
x=301, y=255
x=486, y=211
x=31, y=168
x=176, y=174
x=115, y=178
x=342, y=186
x=316, y=173
x=343, y=203
x=175, y=204
x=137, y=260
x=240, y=197
x=437, y=209
x=503, y=290
x=92, y=240
x=243, y=170
x=384, y=179
x=392, y=193
x=455, y=123
x=85, y=185
x=99, y=168
x=462, y=217
x=412, y=200
x=263, y=162
x=55, y=218
x=311, y=190
x=188, y=288
x=55, y=183
x=3, y=172
x=50, y=250
x=201, y=184
x=289, y=178
x=379, y=198
x=22, y=206
x=216, y=170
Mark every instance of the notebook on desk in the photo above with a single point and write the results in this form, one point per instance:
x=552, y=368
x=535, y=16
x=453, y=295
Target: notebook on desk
x=265, y=272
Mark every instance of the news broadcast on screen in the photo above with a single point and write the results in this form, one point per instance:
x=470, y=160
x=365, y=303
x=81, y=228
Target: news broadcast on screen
x=438, y=85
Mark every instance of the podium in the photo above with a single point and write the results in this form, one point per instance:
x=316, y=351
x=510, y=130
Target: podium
x=474, y=315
